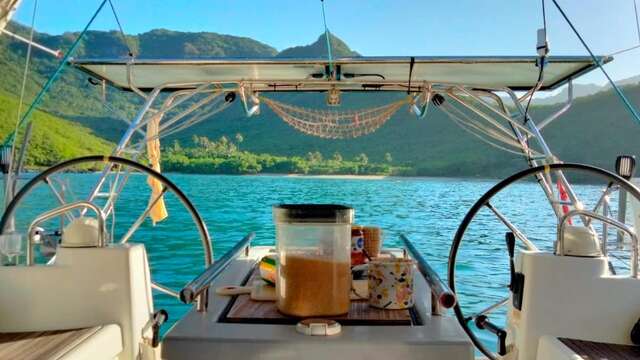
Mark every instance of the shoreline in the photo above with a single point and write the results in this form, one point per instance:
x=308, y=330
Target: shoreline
x=351, y=177
x=34, y=172
x=333, y=176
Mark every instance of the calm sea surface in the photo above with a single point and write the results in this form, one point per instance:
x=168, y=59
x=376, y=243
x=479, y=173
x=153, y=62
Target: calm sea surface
x=427, y=210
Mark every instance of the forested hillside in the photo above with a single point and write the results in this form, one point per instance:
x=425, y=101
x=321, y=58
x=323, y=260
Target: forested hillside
x=52, y=139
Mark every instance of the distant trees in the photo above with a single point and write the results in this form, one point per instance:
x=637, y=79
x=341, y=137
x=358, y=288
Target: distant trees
x=239, y=138
x=388, y=158
x=176, y=146
x=362, y=158
x=314, y=157
x=223, y=156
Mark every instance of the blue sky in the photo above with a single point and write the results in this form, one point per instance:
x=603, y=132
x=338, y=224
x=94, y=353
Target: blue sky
x=373, y=27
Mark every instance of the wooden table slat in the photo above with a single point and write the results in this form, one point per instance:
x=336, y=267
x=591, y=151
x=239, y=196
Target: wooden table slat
x=245, y=310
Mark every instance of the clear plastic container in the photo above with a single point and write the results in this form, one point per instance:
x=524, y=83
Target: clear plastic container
x=314, y=259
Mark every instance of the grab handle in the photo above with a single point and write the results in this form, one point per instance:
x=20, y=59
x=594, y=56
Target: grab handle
x=441, y=295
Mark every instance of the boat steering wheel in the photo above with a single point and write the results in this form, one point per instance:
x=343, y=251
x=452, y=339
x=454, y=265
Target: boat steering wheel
x=116, y=173
x=611, y=182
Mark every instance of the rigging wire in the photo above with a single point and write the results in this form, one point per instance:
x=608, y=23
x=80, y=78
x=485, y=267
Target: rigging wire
x=27, y=63
x=469, y=129
x=327, y=37
x=124, y=37
x=635, y=10
x=634, y=113
x=624, y=50
x=23, y=87
x=490, y=131
x=57, y=73
x=544, y=17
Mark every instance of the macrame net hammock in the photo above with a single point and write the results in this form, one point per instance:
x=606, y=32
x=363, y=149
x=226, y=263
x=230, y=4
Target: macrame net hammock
x=334, y=124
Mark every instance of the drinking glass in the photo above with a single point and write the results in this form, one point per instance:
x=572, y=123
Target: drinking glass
x=11, y=247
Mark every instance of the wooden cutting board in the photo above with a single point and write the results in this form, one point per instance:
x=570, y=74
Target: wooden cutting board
x=242, y=309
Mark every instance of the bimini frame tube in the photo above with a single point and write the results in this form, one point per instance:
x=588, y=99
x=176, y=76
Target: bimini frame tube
x=549, y=158
x=125, y=140
x=57, y=53
x=564, y=109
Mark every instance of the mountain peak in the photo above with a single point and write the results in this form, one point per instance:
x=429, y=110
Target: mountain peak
x=318, y=49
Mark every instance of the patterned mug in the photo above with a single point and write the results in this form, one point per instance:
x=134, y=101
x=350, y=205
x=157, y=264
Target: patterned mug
x=391, y=283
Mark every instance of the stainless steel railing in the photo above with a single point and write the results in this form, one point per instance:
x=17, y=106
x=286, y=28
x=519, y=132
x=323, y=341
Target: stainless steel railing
x=59, y=211
x=607, y=220
x=442, y=297
x=198, y=288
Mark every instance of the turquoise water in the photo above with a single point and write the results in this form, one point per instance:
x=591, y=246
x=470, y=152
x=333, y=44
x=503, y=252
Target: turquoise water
x=427, y=210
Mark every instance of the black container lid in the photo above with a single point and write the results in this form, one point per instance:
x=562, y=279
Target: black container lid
x=313, y=213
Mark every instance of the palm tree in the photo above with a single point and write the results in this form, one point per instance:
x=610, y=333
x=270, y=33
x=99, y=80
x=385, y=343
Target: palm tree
x=362, y=158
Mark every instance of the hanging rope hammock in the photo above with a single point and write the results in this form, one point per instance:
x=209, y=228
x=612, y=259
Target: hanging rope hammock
x=333, y=124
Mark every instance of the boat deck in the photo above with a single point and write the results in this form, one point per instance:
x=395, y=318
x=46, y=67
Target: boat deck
x=42, y=344
x=597, y=350
x=210, y=335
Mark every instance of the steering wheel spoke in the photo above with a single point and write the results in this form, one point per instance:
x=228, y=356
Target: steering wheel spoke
x=116, y=189
x=58, y=197
x=136, y=224
x=491, y=308
x=513, y=228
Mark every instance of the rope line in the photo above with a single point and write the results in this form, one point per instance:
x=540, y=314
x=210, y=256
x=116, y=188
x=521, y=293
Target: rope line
x=507, y=139
x=634, y=113
x=490, y=131
x=124, y=37
x=52, y=79
x=466, y=127
x=326, y=35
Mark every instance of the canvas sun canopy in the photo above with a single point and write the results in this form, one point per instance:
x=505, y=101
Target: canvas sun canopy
x=361, y=73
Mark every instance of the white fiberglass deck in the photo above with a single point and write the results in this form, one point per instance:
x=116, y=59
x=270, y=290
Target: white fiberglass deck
x=204, y=336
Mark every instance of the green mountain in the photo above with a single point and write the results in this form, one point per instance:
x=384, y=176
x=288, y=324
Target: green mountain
x=174, y=44
x=319, y=49
x=52, y=139
x=595, y=130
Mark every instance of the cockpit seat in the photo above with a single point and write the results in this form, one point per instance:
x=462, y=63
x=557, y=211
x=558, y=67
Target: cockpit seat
x=98, y=342
x=551, y=347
